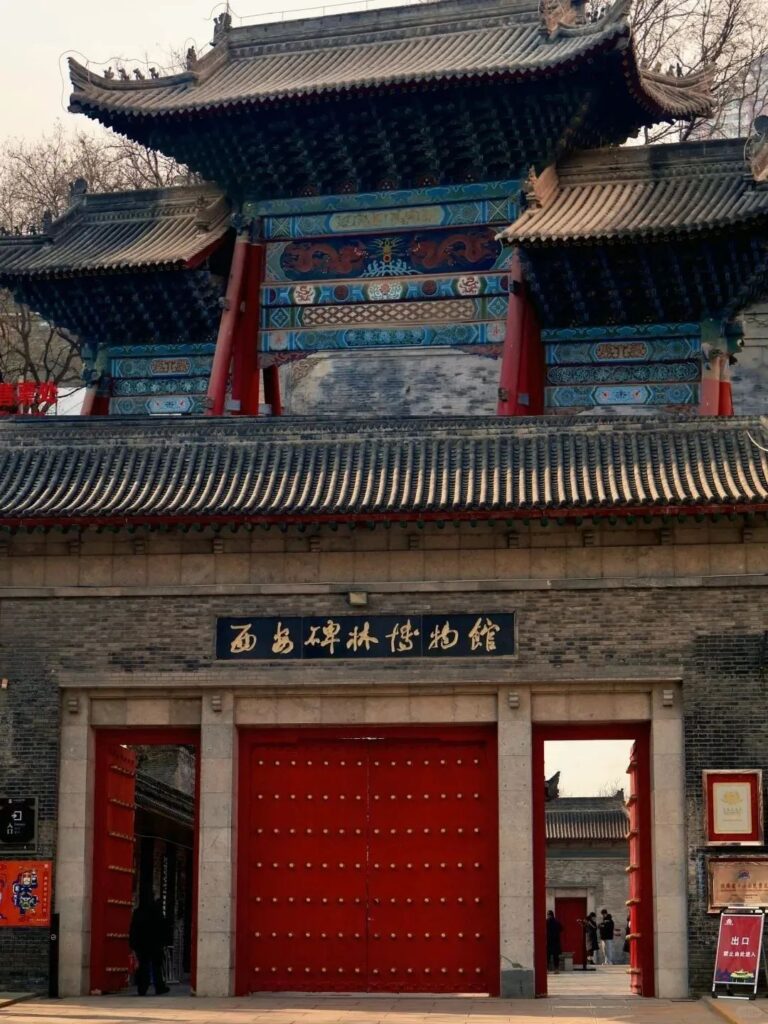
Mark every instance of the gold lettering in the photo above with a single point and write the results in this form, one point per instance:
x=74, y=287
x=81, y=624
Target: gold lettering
x=330, y=637
x=443, y=637
x=245, y=640
x=483, y=634
x=281, y=642
x=401, y=637
x=361, y=638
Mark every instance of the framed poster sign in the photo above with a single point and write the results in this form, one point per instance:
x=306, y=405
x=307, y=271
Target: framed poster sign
x=733, y=807
x=737, y=882
x=25, y=893
x=18, y=824
x=737, y=960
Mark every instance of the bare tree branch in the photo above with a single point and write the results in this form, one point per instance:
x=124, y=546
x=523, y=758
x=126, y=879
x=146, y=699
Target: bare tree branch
x=35, y=180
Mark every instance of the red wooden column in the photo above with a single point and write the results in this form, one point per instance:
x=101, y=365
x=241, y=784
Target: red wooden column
x=272, y=389
x=237, y=345
x=94, y=403
x=521, y=382
x=222, y=357
x=245, y=375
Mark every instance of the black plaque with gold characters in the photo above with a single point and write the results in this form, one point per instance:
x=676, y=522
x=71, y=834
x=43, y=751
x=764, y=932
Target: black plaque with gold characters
x=252, y=638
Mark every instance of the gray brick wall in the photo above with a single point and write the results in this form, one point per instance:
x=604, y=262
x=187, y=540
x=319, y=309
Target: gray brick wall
x=29, y=744
x=602, y=872
x=716, y=633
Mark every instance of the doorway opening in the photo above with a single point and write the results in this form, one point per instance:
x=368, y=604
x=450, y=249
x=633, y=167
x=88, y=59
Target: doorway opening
x=592, y=860
x=143, y=904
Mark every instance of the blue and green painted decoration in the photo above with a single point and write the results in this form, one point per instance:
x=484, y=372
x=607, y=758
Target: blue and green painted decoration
x=411, y=269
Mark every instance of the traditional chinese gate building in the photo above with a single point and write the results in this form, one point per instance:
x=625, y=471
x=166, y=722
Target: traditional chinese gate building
x=367, y=628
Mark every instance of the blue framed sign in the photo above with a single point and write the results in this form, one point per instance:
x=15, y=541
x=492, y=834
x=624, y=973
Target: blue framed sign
x=332, y=638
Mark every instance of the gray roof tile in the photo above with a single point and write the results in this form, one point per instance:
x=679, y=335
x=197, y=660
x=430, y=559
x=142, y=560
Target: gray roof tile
x=643, y=191
x=608, y=822
x=120, y=231
x=452, y=39
x=205, y=470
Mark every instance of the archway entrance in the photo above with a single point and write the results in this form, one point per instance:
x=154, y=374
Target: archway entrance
x=640, y=902
x=144, y=855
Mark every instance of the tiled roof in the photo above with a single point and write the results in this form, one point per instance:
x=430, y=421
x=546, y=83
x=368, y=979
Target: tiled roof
x=119, y=231
x=230, y=470
x=643, y=191
x=587, y=819
x=452, y=39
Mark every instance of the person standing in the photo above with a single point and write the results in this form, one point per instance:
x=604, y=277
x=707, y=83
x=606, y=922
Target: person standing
x=147, y=938
x=606, y=929
x=589, y=924
x=554, y=942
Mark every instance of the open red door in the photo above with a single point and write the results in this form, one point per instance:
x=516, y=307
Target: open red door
x=113, y=865
x=639, y=904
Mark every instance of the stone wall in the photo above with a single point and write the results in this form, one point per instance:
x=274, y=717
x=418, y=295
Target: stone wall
x=404, y=382
x=590, y=601
x=600, y=872
x=750, y=374
x=415, y=382
x=29, y=758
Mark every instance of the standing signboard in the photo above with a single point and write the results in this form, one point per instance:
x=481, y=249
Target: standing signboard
x=739, y=949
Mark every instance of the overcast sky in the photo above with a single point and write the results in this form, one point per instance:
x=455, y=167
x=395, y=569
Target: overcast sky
x=586, y=767
x=38, y=35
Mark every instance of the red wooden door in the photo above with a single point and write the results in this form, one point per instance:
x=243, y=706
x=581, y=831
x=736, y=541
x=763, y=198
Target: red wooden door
x=640, y=903
x=368, y=862
x=569, y=910
x=113, y=865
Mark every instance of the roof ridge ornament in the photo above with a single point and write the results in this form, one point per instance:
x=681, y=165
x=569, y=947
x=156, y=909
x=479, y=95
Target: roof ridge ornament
x=539, y=189
x=557, y=14
x=756, y=149
x=221, y=27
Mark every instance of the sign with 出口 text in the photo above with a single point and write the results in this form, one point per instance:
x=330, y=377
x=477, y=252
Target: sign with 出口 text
x=254, y=638
x=25, y=893
x=18, y=822
x=739, y=943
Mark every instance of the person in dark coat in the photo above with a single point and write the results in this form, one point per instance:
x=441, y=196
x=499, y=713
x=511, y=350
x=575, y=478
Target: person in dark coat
x=591, y=944
x=554, y=931
x=147, y=938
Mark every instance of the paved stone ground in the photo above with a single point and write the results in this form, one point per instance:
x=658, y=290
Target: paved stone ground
x=574, y=1009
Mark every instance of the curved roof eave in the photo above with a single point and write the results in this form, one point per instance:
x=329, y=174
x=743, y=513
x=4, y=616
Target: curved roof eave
x=513, y=49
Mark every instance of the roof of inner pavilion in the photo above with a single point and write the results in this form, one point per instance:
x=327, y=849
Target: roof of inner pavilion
x=634, y=193
x=164, y=228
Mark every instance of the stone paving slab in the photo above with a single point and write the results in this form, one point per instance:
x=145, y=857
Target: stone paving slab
x=359, y=1010
x=9, y=998
x=740, y=1011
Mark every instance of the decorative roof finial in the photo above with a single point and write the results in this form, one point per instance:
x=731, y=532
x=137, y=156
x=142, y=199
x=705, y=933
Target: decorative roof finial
x=756, y=150
x=191, y=58
x=77, y=189
x=557, y=13
x=221, y=26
